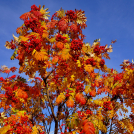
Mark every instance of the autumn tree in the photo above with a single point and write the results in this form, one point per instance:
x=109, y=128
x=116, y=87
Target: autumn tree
x=72, y=76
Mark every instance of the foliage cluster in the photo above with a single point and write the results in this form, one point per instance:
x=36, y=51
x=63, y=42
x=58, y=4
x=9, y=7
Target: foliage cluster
x=69, y=80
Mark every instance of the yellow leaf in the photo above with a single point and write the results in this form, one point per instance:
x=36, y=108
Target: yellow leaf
x=34, y=51
x=22, y=38
x=67, y=37
x=8, y=45
x=131, y=128
x=87, y=89
x=52, y=40
x=65, y=54
x=60, y=98
x=72, y=78
x=15, y=38
x=110, y=49
x=78, y=63
x=4, y=129
x=35, y=130
x=45, y=14
x=21, y=113
x=111, y=113
x=87, y=80
x=21, y=68
x=97, y=102
x=60, y=13
x=88, y=68
x=41, y=56
x=80, y=17
x=2, y=117
x=35, y=34
x=44, y=25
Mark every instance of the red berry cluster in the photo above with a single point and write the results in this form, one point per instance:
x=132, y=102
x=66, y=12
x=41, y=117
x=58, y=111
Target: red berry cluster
x=12, y=123
x=89, y=112
x=76, y=45
x=82, y=70
x=33, y=44
x=106, y=106
x=80, y=114
x=99, y=49
x=103, y=49
x=19, y=129
x=71, y=14
x=24, y=119
x=102, y=62
x=34, y=8
x=54, y=16
x=60, y=38
x=56, y=79
x=75, y=57
x=10, y=95
x=118, y=77
x=12, y=45
x=79, y=87
x=33, y=23
x=67, y=93
x=91, y=61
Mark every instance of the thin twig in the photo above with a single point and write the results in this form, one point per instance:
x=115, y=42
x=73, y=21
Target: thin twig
x=49, y=98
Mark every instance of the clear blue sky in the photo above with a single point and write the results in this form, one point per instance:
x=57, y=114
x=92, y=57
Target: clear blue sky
x=106, y=19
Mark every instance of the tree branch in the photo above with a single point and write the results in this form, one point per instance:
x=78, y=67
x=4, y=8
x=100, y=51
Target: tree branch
x=111, y=126
x=47, y=92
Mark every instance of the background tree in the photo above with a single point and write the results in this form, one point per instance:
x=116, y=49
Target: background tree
x=69, y=81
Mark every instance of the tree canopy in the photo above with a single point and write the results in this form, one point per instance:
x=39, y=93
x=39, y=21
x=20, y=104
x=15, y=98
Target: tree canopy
x=75, y=91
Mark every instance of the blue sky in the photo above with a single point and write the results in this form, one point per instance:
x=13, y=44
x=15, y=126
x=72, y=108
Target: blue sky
x=106, y=19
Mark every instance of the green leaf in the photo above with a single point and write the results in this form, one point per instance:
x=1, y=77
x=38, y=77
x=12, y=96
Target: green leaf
x=97, y=40
x=14, y=54
x=73, y=121
x=22, y=79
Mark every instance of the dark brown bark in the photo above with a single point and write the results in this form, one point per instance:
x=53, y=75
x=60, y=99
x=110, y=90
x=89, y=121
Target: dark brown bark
x=56, y=127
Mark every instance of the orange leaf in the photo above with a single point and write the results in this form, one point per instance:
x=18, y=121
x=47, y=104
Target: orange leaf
x=78, y=96
x=45, y=34
x=70, y=103
x=93, y=93
x=60, y=45
x=25, y=16
x=55, y=59
x=22, y=94
x=89, y=128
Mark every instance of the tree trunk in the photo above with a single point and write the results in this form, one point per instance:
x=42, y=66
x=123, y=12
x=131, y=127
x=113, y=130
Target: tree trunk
x=56, y=127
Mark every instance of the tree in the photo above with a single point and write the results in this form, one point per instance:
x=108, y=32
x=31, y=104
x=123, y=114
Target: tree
x=69, y=80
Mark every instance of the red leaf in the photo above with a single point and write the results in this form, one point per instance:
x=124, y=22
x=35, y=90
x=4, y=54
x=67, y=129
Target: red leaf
x=62, y=25
x=25, y=16
x=13, y=69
